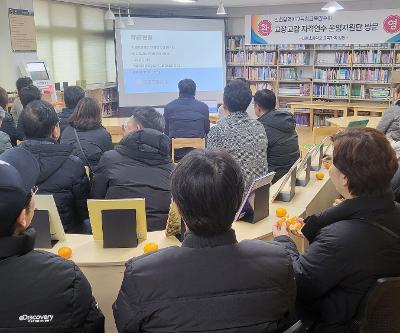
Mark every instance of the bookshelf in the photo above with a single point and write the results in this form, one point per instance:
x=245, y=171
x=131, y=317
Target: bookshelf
x=359, y=73
x=106, y=96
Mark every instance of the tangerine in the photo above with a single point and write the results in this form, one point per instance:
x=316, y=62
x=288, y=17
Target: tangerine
x=327, y=164
x=65, y=252
x=150, y=247
x=281, y=212
x=319, y=175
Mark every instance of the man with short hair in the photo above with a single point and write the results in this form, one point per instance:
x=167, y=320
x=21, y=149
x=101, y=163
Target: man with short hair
x=186, y=117
x=240, y=136
x=27, y=94
x=61, y=174
x=40, y=291
x=280, y=127
x=139, y=167
x=72, y=96
x=17, y=107
x=212, y=283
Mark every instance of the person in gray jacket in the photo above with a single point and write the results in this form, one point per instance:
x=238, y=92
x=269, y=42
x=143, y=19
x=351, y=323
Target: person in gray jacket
x=390, y=122
x=5, y=142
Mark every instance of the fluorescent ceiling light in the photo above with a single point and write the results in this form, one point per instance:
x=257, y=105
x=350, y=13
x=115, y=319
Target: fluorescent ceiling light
x=185, y=1
x=221, y=9
x=332, y=6
x=109, y=15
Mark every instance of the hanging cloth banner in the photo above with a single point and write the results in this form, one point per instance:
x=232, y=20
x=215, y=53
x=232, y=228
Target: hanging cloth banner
x=342, y=27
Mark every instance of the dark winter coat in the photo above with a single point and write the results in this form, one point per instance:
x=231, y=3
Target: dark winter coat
x=62, y=175
x=42, y=292
x=212, y=284
x=94, y=143
x=347, y=254
x=8, y=127
x=283, y=143
x=64, y=118
x=139, y=167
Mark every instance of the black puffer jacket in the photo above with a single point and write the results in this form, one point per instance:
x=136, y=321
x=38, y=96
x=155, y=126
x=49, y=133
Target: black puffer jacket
x=42, y=292
x=94, y=143
x=8, y=126
x=62, y=175
x=64, y=118
x=212, y=284
x=139, y=167
x=347, y=254
x=283, y=144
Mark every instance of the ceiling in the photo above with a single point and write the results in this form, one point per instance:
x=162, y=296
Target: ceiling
x=206, y=3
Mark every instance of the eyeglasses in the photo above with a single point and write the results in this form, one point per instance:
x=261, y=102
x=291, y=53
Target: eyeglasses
x=30, y=195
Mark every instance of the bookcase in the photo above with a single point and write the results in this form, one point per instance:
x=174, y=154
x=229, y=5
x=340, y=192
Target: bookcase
x=106, y=96
x=357, y=73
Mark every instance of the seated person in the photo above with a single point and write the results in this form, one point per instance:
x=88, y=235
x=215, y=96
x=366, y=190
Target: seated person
x=5, y=142
x=280, y=127
x=72, y=96
x=240, y=136
x=40, y=291
x=27, y=95
x=390, y=122
x=7, y=125
x=353, y=243
x=139, y=167
x=61, y=174
x=212, y=283
x=17, y=107
x=85, y=132
x=186, y=117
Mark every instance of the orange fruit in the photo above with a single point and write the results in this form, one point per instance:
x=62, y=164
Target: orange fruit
x=281, y=212
x=327, y=164
x=291, y=221
x=150, y=247
x=65, y=252
x=319, y=175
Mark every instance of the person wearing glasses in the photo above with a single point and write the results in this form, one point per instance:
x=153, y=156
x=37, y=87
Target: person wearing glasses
x=39, y=291
x=139, y=167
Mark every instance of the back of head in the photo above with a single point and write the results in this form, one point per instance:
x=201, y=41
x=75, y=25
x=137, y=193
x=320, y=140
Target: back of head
x=187, y=88
x=23, y=82
x=266, y=99
x=207, y=187
x=237, y=95
x=39, y=119
x=87, y=114
x=3, y=98
x=148, y=117
x=72, y=96
x=365, y=157
x=29, y=94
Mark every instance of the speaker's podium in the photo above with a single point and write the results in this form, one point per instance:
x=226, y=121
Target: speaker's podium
x=119, y=223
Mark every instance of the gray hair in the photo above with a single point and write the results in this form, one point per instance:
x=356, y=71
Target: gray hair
x=2, y=114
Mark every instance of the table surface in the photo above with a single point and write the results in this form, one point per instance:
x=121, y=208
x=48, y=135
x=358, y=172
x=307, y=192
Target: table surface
x=343, y=122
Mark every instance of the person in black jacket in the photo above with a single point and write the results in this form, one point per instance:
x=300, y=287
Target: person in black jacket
x=186, y=117
x=40, y=291
x=85, y=132
x=72, y=96
x=8, y=125
x=280, y=126
x=27, y=95
x=352, y=244
x=139, y=167
x=61, y=174
x=211, y=283
x=17, y=107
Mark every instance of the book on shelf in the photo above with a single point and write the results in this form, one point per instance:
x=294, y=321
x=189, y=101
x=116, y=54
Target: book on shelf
x=321, y=119
x=331, y=90
x=295, y=73
x=330, y=47
x=330, y=74
x=235, y=42
x=261, y=47
x=294, y=89
x=235, y=72
x=370, y=93
x=302, y=119
x=298, y=58
x=235, y=58
x=260, y=86
x=367, y=74
x=261, y=73
x=261, y=58
x=373, y=57
x=338, y=58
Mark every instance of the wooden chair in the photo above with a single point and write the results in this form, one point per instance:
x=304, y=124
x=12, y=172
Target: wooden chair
x=322, y=132
x=95, y=207
x=178, y=143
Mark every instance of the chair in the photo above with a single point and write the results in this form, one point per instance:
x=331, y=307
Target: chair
x=379, y=313
x=178, y=143
x=295, y=328
x=322, y=132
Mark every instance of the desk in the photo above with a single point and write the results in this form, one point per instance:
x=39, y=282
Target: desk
x=104, y=268
x=370, y=107
x=319, y=106
x=343, y=122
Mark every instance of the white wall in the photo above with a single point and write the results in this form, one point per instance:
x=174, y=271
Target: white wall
x=10, y=60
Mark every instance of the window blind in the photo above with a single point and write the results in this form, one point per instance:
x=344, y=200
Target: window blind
x=75, y=42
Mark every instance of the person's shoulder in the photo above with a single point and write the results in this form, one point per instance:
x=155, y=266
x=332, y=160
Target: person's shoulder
x=4, y=137
x=258, y=247
x=51, y=260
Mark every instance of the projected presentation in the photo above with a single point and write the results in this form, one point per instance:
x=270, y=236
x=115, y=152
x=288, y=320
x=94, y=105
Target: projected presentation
x=151, y=62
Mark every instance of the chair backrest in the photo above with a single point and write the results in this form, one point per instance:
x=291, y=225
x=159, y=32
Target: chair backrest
x=380, y=310
x=322, y=132
x=295, y=328
x=186, y=143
